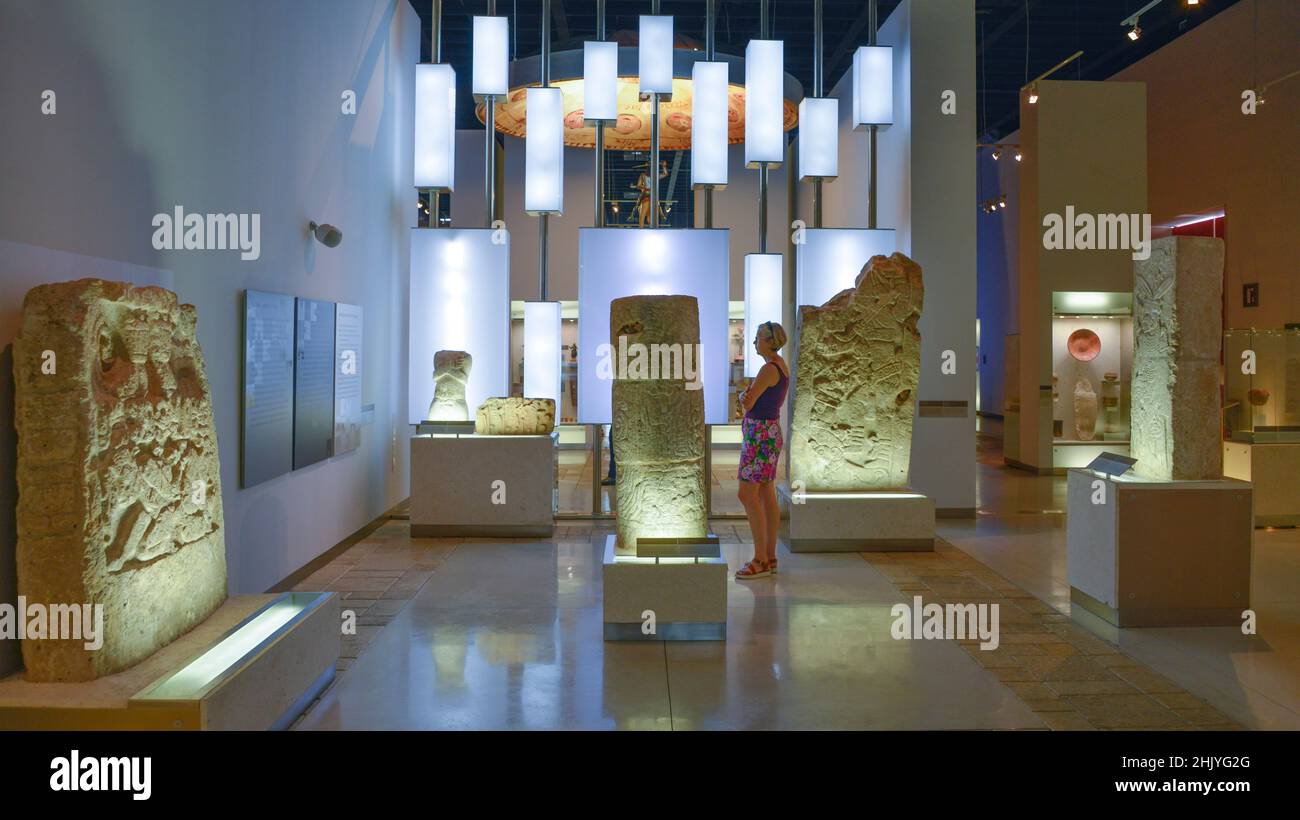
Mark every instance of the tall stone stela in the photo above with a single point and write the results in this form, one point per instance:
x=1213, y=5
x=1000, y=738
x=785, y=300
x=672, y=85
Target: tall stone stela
x=856, y=373
x=658, y=418
x=1177, y=337
x=119, y=484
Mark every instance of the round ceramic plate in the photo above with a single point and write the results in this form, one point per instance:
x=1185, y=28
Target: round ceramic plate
x=1084, y=345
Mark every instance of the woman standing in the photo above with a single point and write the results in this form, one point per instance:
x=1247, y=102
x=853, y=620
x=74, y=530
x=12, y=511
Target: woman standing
x=761, y=450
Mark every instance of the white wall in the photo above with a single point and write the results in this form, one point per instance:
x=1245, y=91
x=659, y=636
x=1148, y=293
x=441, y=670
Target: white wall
x=231, y=107
x=927, y=193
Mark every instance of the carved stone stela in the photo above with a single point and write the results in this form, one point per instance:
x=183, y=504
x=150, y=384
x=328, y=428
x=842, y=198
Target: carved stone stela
x=450, y=375
x=658, y=423
x=857, y=368
x=515, y=417
x=1177, y=335
x=119, y=482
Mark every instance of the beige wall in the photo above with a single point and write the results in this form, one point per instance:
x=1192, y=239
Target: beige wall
x=1204, y=153
x=1084, y=145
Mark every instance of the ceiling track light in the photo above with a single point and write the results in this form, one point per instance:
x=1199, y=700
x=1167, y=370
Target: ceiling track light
x=1134, y=33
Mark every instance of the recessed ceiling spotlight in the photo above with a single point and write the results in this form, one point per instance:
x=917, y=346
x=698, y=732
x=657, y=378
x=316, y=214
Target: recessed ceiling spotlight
x=1193, y=2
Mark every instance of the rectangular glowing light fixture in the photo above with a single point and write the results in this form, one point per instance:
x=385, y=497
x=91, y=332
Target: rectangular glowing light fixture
x=544, y=152
x=828, y=260
x=435, y=126
x=600, y=81
x=873, y=86
x=655, y=54
x=709, y=125
x=491, y=56
x=542, y=351
x=764, y=295
x=819, y=138
x=460, y=300
x=764, y=92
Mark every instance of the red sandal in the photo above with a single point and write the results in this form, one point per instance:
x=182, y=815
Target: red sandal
x=772, y=566
x=753, y=569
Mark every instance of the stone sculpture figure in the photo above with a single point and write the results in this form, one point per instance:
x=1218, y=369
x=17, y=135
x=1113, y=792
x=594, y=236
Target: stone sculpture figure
x=658, y=423
x=1177, y=327
x=1085, y=410
x=515, y=417
x=856, y=373
x=450, y=375
x=118, y=476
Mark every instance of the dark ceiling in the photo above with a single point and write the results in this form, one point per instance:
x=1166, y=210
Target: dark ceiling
x=1004, y=58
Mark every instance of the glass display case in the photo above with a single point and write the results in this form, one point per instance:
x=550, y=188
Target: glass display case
x=1092, y=367
x=1261, y=391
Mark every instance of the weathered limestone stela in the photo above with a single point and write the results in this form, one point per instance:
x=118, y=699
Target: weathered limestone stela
x=857, y=366
x=658, y=423
x=1177, y=334
x=515, y=417
x=119, y=482
x=450, y=375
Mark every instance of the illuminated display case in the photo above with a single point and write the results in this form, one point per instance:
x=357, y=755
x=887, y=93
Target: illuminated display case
x=1092, y=367
x=1261, y=391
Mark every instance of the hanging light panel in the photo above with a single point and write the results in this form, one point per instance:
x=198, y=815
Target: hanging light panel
x=709, y=125
x=544, y=152
x=600, y=81
x=819, y=138
x=764, y=282
x=655, y=54
x=764, y=92
x=542, y=352
x=435, y=126
x=873, y=86
x=491, y=56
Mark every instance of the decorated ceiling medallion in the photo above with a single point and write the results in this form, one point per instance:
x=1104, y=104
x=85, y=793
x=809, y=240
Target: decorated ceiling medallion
x=1084, y=345
x=631, y=132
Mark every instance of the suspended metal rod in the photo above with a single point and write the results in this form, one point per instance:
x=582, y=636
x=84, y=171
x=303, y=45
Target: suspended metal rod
x=544, y=223
x=763, y=29
x=600, y=131
x=652, y=175
x=489, y=146
x=873, y=131
x=435, y=56
x=710, y=23
x=818, y=57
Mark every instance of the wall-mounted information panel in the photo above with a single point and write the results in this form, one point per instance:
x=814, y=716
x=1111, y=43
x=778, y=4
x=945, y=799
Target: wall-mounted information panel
x=347, y=378
x=313, y=382
x=267, y=418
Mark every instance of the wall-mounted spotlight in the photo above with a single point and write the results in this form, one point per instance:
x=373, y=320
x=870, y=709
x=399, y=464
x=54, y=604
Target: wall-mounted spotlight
x=997, y=154
x=327, y=235
x=1019, y=155
x=1033, y=94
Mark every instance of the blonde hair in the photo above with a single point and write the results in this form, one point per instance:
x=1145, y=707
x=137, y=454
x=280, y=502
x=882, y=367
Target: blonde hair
x=774, y=332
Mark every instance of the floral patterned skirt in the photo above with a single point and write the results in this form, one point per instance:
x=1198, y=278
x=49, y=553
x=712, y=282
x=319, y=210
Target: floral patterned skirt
x=760, y=450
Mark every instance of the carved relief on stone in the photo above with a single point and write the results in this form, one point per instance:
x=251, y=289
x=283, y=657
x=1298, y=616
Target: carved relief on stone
x=1177, y=331
x=118, y=476
x=450, y=375
x=658, y=423
x=856, y=374
x=515, y=417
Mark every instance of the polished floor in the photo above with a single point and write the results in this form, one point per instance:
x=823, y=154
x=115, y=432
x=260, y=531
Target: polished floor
x=484, y=634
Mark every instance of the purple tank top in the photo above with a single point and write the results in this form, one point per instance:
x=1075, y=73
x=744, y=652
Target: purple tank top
x=768, y=405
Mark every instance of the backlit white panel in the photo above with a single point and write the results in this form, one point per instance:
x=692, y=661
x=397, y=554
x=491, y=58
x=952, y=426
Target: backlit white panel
x=460, y=300
x=655, y=54
x=764, y=93
x=617, y=262
x=709, y=124
x=829, y=260
x=819, y=137
x=764, y=275
x=544, y=152
x=600, y=80
x=435, y=126
x=491, y=56
x=873, y=86
x=542, y=351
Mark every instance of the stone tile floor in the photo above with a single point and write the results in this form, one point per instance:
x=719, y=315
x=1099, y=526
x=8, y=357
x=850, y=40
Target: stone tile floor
x=1067, y=677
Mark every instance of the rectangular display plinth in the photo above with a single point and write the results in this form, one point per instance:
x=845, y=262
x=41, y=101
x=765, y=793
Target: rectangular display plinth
x=483, y=486
x=897, y=521
x=1143, y=552
x=256, y=663
x=1273, y=471
x=686, y=598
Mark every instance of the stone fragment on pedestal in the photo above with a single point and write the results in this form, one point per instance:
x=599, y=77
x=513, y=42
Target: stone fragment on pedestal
x=450, y=375
x=856, y=374
x=1177, y=333
x=658, y=418
x=515, y=417
x=118, y=477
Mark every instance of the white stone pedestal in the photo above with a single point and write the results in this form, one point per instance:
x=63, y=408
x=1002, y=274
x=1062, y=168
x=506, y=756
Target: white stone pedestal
x=1159, y=553
x=687, y=596
x=455, y=489
x=899, y=521
x=1273, y=471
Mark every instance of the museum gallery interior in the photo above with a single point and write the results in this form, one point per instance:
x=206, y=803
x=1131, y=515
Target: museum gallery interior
x=650, y=364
